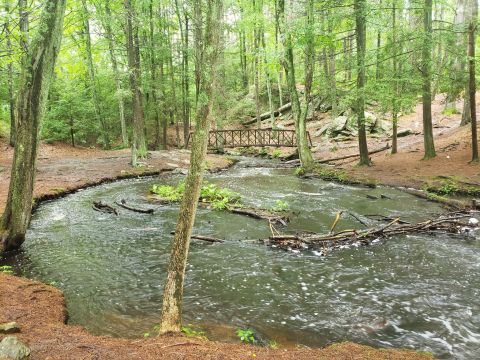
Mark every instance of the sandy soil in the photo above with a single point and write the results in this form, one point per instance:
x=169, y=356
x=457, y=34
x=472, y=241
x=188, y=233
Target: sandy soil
x=39, y=310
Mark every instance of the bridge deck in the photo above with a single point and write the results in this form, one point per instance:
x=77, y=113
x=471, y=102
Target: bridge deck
x=256, y=137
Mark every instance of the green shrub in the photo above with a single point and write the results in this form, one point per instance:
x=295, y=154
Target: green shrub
x=246, y=336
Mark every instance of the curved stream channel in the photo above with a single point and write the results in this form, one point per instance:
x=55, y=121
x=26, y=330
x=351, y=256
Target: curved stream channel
x=419, y=292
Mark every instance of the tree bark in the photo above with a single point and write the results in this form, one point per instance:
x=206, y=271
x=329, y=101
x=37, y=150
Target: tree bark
x=395, y=94
x=11, y=94
x=31, y=105
x=427, y=81
x=256, y=63
x=118, y=80
x=471, y=69
x=208, y=46
x=91, y=77
x=139, y=146
x=299, y=110
x=360, y=23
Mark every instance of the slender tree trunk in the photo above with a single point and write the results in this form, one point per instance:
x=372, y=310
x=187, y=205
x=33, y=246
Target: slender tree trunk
x=11, y=94
x=91, y=77
x=332, y=71
x=395, y=87
x=427, y=81
x=173, y=291
x=268, y=82
x=378, y=72
x=139, y=146
x=31, y=105
x=280, y=67
x=361, y=37
x=471, y=69
x=299, y=110
x=256, y=63
x=153, y=71
x=118, y=80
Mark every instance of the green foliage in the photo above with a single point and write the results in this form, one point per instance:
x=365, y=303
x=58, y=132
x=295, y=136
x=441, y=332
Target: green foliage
x=450, y=112
x=190, y=331
x=450, y=187
x=218, y=197
x=272, y=344
x=6, y=269
x=246, y=336
x=276, y=153
x=280, y=206
x=300, y=171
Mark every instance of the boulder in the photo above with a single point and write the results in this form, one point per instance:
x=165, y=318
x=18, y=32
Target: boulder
x=337, y=126
x=13, y=349
x=9, y=328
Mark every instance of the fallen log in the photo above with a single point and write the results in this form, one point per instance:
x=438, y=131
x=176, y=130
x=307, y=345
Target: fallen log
x=105, y=208
x=124, y=205
x=210, y=239
x=324, y=161
x=263, y=214
x=457, y=222
x=267, y=115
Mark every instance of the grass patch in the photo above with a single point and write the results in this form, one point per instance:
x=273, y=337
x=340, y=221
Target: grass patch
x=451, y=187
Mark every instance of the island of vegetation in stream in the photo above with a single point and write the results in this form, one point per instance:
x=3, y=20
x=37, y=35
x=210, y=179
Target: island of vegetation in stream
x=416, y=290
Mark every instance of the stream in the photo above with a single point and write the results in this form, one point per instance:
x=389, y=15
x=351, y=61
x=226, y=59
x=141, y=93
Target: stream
x=419, y=292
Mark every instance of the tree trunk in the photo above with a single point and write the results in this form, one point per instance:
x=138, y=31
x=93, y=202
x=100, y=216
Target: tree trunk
x=427, y=81
x=11, y=94
x=139, y=146
x=209, y=47
x=31, y=105
x=280, y=67
x=361, y=37
x=395, y=86
x=267, y=80
x=299, y=110
x=456, y=73
x=378, y=72
x=118, y=80
x=91, y=77
x=256, y=63
x=471, y=69
x=153, y=72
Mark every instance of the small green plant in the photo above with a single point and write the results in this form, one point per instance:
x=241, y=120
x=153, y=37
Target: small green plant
x=189, y=331
x=280, y=206
x=450, y=111
x=6, y=269
x=276, y=153
x=262, y=152
x=300, y=171
x=246, y=335
x=146, y=335
x=272, y=344
x=333, y=148
x=218, y=197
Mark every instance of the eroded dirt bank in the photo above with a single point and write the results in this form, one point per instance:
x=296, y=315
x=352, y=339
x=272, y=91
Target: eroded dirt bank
x=39, y=310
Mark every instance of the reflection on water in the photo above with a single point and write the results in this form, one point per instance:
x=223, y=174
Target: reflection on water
x=418, y=292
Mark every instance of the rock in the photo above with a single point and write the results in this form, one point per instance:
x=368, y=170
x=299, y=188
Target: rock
x=337, y=126
x=322, y=131
x=180, y=171
x=9, y=328
x=404, y=132
x=13, y=349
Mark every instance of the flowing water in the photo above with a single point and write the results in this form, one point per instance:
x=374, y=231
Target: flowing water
x=419, y=292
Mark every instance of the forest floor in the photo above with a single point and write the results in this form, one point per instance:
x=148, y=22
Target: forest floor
x=406, y=168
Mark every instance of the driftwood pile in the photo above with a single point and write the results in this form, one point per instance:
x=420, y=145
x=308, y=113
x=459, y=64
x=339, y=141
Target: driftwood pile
x=457, y=222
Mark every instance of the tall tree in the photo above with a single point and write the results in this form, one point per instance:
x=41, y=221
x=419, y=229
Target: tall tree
x=299, y=110
x=361, y=37
x=427, y=81
x=92, y=83
x=395, y=87
x=107, y=25
x=207, y=42
x=31, y=105
x=11, y=95
x=472, y=26
x=139, y=145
